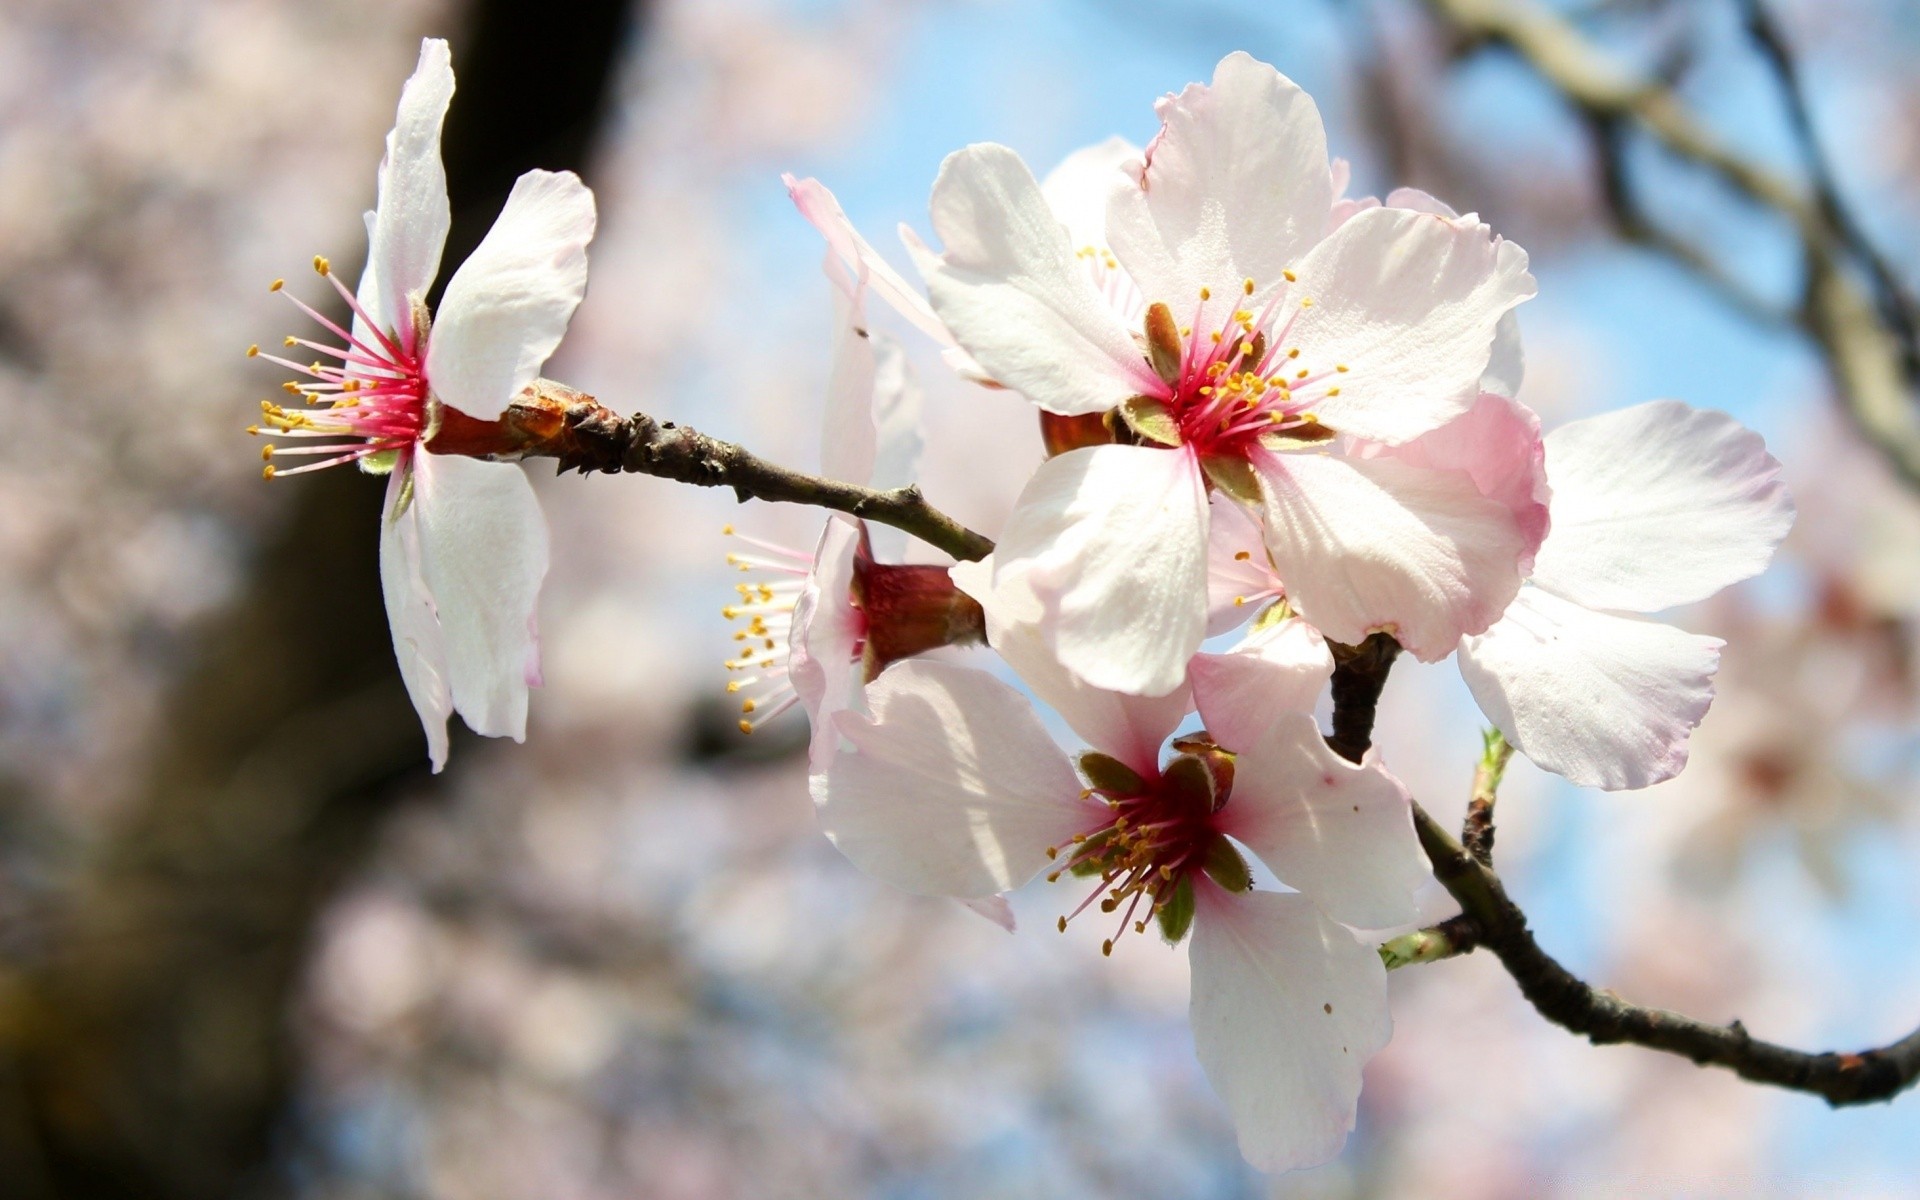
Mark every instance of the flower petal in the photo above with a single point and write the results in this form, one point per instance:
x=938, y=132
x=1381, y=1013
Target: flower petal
x=1275, y=670
x=1368, y=544
x=1408, y=302
x=1695, y=484
x=1287, y=1009
x=1014, y=295
x=1127, y=727
x=1240, y=577
x=417, y=643
x=952, y=787
x=993, y=908
x=1113, y=540
x=822, y=210
x=1341, y=832
x=1078, y=189
x=826, y=631
x=849, y=435
x=1236, y=185
x=508, y=305
x=411, y=216
x=1606, y=701
x=1497, y=443
x=483, y=547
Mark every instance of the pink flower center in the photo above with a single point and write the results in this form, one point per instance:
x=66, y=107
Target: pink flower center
x=1232, y=387
x=1159, y=831
x=376, y=391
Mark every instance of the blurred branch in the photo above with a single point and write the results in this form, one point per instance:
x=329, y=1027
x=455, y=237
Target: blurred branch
x=1600, y=1016
x=147, y=1053
x=1868, y=341
x=554, y=421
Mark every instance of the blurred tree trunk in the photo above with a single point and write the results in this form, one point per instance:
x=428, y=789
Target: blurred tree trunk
x=148, y=1054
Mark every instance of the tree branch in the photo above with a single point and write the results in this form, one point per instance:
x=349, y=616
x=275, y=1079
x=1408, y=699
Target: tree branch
x=1561, y=997
x=1866, y=355
x=551, y=420
x=1477, y=833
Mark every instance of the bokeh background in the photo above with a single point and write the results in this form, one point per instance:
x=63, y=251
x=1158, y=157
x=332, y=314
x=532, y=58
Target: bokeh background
x=248, y=947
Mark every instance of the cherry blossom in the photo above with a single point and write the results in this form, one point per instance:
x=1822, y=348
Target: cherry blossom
x=1654, y=506
x=953, y=787
x=463, y=546
x=1272, y=346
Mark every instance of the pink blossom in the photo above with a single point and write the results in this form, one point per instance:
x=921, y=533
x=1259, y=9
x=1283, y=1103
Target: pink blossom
x=1654, y=506
x=954, y=787
x=1270, y=347
x=463, y=547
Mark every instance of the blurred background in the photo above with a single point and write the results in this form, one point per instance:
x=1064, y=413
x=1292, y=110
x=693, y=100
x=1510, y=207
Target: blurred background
x=249, y=947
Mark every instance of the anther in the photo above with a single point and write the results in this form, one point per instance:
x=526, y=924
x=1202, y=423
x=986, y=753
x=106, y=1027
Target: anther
x=266, y=452
x=253, y=351
x=1206, y=293
x=266, y=472
x=1063, y=925
x=321, y=265
x=1243, y=556
x=1247, y=287
x=276, y=285
x=1341, y=368
x=1290, y=276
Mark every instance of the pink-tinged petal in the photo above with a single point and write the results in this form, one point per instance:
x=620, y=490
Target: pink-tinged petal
x=1240, y=578
x=508, y=305
x=1346, y=210
x=1014, y=295
x=1236, y=186
x=1606, y=701
x=1368, y=544
x=900, y=439
x=993, y=908
x=483, y=555
x=1129, y=728
x=849, y=434
x=417, y=643
x=1113, y=542
x=1339, y=177
x=1287, y=1009
x=411, y=216
x=1659, y=505
x=1273, y=671
x=952, y=787
x=826, y=631
x=1497, y=442
x=1408, y=302
x=1078, y=189
x=1340, y=832
x=822, y=210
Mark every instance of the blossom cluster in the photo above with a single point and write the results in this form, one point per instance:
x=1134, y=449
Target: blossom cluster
x=1272, y=412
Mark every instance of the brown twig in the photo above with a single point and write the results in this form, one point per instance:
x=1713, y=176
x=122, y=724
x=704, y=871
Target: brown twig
x=551, y=420
x=1868, y=357
x=1477, y=832
x=1600, y=1016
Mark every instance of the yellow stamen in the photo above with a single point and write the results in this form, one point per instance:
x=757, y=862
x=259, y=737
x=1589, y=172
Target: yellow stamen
x=321, y=265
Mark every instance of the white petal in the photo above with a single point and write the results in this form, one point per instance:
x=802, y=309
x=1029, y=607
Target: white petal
x=826, y=630
x=1368, y=544
x=1236, y=186
x=1078, y=189
x=1240, y=577
x=508, y=305
x=1012, y=292
x=822, y=210
x=1273, y=671
x=417, y=643
x=993, y=908
x=1341, y=832
x=411, y=215
x=1507, y=364
x=1129, y=728
x=1113, y=540
x=848, y=434
x=1658, y=505
x=1496, y=442
x=483, y=550
x=1608, y=702
x=896, y=413
x=1409, y=303
x=1287, y=1009
x=953, y=787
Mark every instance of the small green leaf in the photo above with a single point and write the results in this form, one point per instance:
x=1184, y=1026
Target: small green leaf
x=1108, y=774
x=1225, y=867
x=1151, y=419
x=1176, y=915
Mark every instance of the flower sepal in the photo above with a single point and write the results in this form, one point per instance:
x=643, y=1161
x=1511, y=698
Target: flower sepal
x=909, y=609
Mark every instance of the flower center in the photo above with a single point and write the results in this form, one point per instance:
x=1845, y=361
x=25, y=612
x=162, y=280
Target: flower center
x=376, y=391
x=1238, y=385
x=1159, y=831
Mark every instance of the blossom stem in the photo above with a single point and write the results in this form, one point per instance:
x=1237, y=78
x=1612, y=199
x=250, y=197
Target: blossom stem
x=551, y=420
x=1477, y=833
